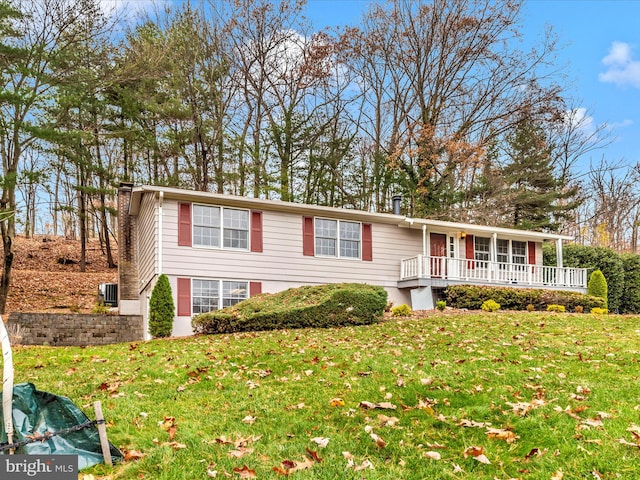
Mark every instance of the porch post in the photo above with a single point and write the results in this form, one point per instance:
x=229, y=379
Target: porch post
x=424, y=240
x=494, y=255
x=559, y=253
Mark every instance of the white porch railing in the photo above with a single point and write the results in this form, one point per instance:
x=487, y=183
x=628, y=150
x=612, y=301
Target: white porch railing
x=476, y=271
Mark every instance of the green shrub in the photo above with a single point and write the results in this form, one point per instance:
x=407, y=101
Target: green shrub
x=490, y=306
x=441, y=305
x=530, y=307
x=321, y=306
x=609, y=262
x=579, y=309
x=556, y=308
x=630, y=301
x=472, y=296
x=100, y=309
x=599, y=311
x=597, y=285
x=161, y=308
x=403, y=310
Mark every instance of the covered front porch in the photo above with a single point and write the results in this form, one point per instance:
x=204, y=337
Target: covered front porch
x=454, y=253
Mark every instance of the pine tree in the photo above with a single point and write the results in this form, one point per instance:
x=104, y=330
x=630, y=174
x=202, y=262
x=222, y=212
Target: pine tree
x=161, y=308
x=534, y=199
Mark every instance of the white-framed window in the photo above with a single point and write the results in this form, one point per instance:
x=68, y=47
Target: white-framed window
x=518, y=252
x=482, y=249
x=503, y=250
x=208, y=295
x=220, y=227
x=512, y=251
x=337, y=238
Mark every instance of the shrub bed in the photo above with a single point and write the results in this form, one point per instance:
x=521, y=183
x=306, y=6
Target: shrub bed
x=472, y=297
x=320, y=306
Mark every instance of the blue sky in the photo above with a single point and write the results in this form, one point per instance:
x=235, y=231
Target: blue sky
x=600, y=42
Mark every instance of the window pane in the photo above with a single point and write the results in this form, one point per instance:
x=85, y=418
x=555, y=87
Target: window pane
x=234, y=292
x=326, y=237
x=503, y=251
x=206, y=226
x=350, y=239
x=205, y=295
x=236, y=228
x=350, y=249
x=349, y=231
x=482, y=248
x=519, y=250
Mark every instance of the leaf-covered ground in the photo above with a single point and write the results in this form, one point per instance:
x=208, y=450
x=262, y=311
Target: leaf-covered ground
x=486, y=396
x=46, y=275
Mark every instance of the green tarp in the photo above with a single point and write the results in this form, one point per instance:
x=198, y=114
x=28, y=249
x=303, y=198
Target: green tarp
x=37, y=413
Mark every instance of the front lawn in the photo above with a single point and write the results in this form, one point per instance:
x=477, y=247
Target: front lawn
x=503, y=395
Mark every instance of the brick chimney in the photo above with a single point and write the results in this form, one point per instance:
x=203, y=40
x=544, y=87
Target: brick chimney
x=128, y=284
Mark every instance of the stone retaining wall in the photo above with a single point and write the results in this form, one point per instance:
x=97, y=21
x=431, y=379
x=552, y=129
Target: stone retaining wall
x=72, y=329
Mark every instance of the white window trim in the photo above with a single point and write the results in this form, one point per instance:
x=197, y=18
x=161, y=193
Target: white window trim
x=221, y=227
x=337, y=255
x=220, y=289
x=510, y=254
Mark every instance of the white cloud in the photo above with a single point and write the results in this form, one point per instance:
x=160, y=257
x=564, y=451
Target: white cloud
x=622, y=68
x=579, y=120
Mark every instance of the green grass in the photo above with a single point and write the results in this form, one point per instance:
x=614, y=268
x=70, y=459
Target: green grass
x=567, y=386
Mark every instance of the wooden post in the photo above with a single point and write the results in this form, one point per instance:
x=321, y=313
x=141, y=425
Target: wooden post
x=102, y=431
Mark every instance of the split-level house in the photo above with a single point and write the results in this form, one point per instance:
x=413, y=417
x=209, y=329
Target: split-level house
x=220, y=249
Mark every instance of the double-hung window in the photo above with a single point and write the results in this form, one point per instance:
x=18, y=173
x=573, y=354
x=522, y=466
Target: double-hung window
x=220, y=227
x=208, y=295
x=519, y=252
x=337, y=238
x=503, y=251
x=482, y=251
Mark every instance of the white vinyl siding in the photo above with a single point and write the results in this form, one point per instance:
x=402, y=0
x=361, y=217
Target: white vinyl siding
x=220, y=227
x=148, y=237
x=205, y=294
x=283, y=261
x=337, y=238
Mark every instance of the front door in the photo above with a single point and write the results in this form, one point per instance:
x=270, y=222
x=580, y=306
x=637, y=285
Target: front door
x=438, y=243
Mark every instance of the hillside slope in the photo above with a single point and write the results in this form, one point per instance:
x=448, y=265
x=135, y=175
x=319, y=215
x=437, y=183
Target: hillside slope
x=46, y=276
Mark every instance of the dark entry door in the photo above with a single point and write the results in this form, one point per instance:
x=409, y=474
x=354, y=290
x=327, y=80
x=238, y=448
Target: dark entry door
x=438, y=243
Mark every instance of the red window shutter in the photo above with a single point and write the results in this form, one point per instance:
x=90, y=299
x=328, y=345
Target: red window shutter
x=255, y=288
x=367, y=243
x=184, y=297
x=256, y=231
x=470, y=250
x=308, y=236
x=184, y=224
x=532, y=253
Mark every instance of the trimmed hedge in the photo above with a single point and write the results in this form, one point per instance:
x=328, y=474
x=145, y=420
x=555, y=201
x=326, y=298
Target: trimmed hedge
x=322, y=306
x=472, y=297
x=161, y=308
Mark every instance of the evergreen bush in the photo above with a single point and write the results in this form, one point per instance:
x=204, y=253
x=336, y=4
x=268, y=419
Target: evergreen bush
x=472, y=296
x=161, y=308
x=441, y=305
x=321, y=306
x=490, y=306
x=630, y=301
x=597, y=285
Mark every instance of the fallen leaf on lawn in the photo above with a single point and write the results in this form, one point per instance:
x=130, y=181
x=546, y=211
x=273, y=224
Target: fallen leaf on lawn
x=287, y=467
x=502, y=434
x=320, y=441
x=363, y=466
x=168, y=424
x=249, y=419
x=313, y=455
x=382, y=405
x=240, y=452
x=432, y=455
x=583, y=390
x=457, y=468
x=380, y=443
x=594, y=422
x=426, y=381
x=470, y=423
x=336, y=402
x=535, y=452
x=400, y=382
x=212, y=473
x=435, y=445
x=477, y=453
x=245, y=472
x=558, y=475
x=387, y=421
x=176, y=445
x=132, y=455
